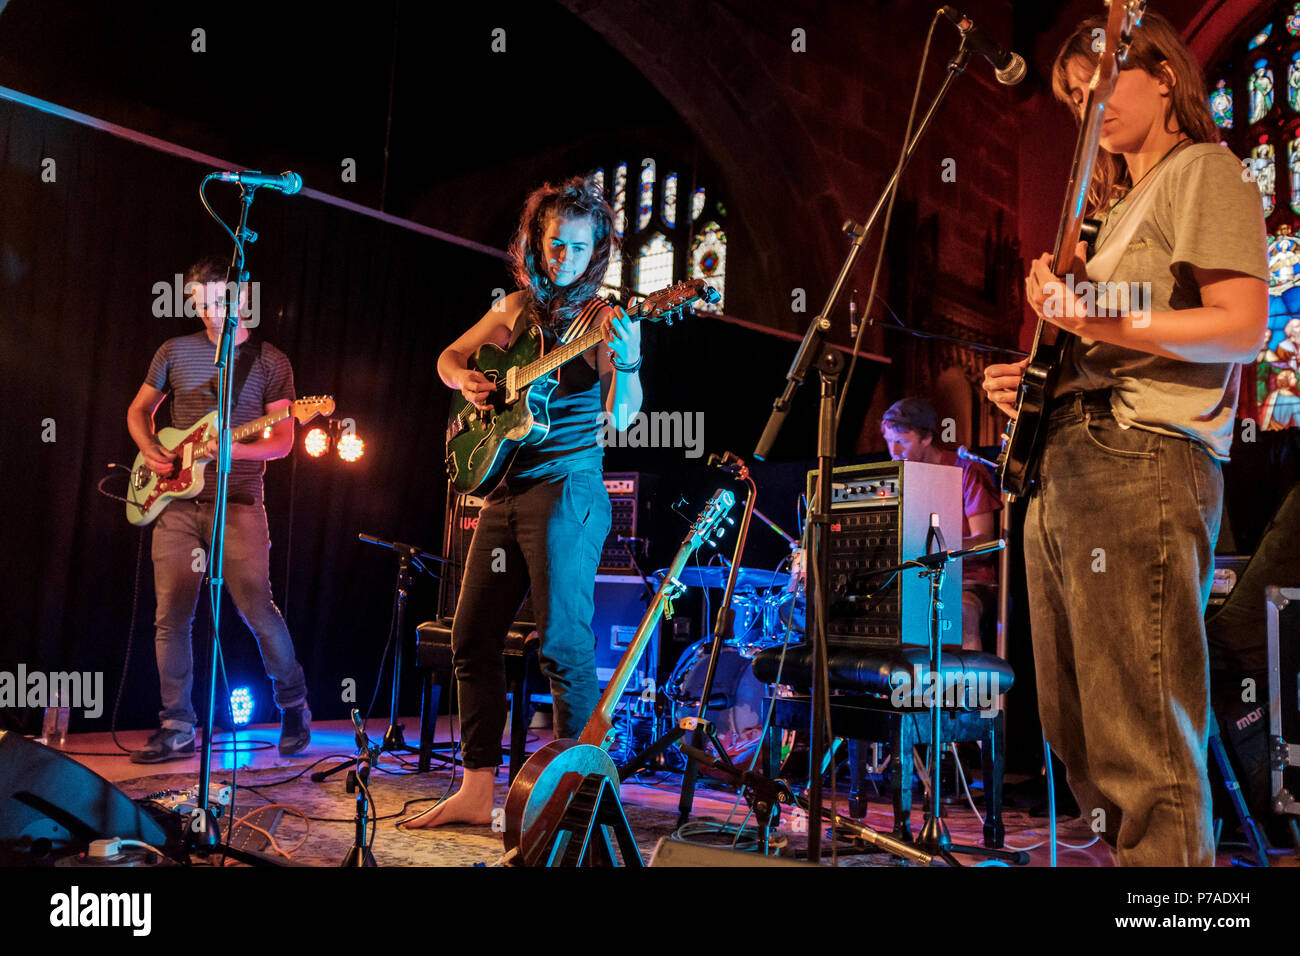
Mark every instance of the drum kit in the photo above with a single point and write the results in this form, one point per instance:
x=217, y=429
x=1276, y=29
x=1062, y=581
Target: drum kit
x=769, y=610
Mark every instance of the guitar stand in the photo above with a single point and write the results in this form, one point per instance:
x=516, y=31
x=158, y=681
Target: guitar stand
x=581, y=836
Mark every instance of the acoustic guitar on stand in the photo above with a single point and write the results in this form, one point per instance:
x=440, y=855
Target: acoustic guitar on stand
x=546, y=782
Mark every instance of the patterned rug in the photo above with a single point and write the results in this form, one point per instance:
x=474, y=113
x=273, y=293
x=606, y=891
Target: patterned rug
x=650, y=805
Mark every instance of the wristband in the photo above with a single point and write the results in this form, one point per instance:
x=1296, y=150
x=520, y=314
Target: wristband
x=626, y=368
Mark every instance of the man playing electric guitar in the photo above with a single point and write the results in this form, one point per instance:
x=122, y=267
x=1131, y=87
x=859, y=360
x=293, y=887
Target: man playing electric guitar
x=183, y=531
x=546, y=522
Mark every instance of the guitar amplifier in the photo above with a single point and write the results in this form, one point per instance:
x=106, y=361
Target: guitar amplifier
x=881, y=515
x=627, y=498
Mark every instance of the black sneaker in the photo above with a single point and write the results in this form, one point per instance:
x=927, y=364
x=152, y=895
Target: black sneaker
x=165, y=744
x=295, y=730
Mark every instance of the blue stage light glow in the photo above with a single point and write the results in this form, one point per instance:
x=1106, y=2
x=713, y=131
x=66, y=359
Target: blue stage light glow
x=241, y=705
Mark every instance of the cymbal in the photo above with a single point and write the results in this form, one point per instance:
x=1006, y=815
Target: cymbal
x=747, y=579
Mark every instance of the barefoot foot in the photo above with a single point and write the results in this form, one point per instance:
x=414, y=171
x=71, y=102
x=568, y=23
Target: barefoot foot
x=471, y=804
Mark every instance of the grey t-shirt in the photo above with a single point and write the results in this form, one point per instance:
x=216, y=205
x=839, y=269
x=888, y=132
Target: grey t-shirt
x=1202, y=213
x=183, y=366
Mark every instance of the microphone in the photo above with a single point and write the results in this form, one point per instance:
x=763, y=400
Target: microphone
x=286, y=182
x=963, y=452
x=1009, y=68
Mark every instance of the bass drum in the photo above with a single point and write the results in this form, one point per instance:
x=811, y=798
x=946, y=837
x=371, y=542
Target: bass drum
x=739, y=700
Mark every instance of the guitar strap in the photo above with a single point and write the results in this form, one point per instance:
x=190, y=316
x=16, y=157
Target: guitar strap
x=581, y=323
x=245, y=356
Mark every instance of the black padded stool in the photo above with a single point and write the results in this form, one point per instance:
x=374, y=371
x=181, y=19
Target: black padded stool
x=862, y=683
x=433, y=657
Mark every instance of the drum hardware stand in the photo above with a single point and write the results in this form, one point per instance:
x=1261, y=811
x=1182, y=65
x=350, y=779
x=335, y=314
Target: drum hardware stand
x=359, y=783
x=722, y=631
x=934, y=838
x=816, y=352
x=408, y=556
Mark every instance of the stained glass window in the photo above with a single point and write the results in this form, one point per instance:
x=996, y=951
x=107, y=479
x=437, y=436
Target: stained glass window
x=1260, y=38
x=646, y=202
x=1293, y=21
x=654, y=265
x=1293, y=82
x=709, y=261
x=1261, y=91
x=1221, y=105
x=1293, y=165
x=620, y=198
x=1278, y=368
x=614, y=272
x=670, y=200
x=1265, y=171
x=697, y=203
x=598, y=177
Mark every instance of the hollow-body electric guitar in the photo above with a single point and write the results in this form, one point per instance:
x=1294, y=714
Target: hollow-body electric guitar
x=1022, y=445
x=545, y=783
x=148, y=492
x=481, y=442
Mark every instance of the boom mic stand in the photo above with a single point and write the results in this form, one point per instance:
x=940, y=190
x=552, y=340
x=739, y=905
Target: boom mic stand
x=816, y=352
x=408, y=557
x=698, y=726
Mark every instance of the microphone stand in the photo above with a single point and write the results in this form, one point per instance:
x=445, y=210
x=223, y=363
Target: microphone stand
x=359, y=782
x=408, y=556
x=203, y=833
x=934, y=838
x=816, y=352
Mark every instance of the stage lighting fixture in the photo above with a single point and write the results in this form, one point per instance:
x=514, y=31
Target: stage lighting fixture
x=241, y=705
x=351, y=448
x=316, y=443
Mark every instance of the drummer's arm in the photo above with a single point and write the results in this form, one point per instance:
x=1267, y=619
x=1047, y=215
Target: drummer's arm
x=983, y=527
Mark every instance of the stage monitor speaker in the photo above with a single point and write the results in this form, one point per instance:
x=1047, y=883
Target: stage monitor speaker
x=881, y=516
x=670, y=852
x=52, y=805
x=620, y=606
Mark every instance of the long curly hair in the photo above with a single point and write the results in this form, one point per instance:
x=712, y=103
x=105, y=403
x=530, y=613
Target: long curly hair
x=1158, y=51
x=575, y=198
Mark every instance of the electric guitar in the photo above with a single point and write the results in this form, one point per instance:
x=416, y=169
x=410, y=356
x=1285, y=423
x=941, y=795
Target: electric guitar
x=545, y=783
x=482, y=442
x=148, y=492
x=1022, y=445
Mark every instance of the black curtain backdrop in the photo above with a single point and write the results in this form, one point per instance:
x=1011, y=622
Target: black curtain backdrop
x=362, y=309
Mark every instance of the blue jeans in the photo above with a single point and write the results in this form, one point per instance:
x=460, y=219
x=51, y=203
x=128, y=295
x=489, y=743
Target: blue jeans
x=178, y=573
x=1119, y=546
x=547, y=532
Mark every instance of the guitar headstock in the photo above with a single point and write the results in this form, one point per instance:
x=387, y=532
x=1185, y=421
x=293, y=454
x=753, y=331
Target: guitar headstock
x=714, y=513
x=667, y=304
x=305, y=409
x=1123, y=17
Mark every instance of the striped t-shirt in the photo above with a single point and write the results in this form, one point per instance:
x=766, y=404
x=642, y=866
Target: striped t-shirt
x=183, y=367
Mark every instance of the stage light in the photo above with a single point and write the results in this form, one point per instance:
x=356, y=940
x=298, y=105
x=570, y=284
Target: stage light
x=351, y=448
x=316, y=443
x=241, y=705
